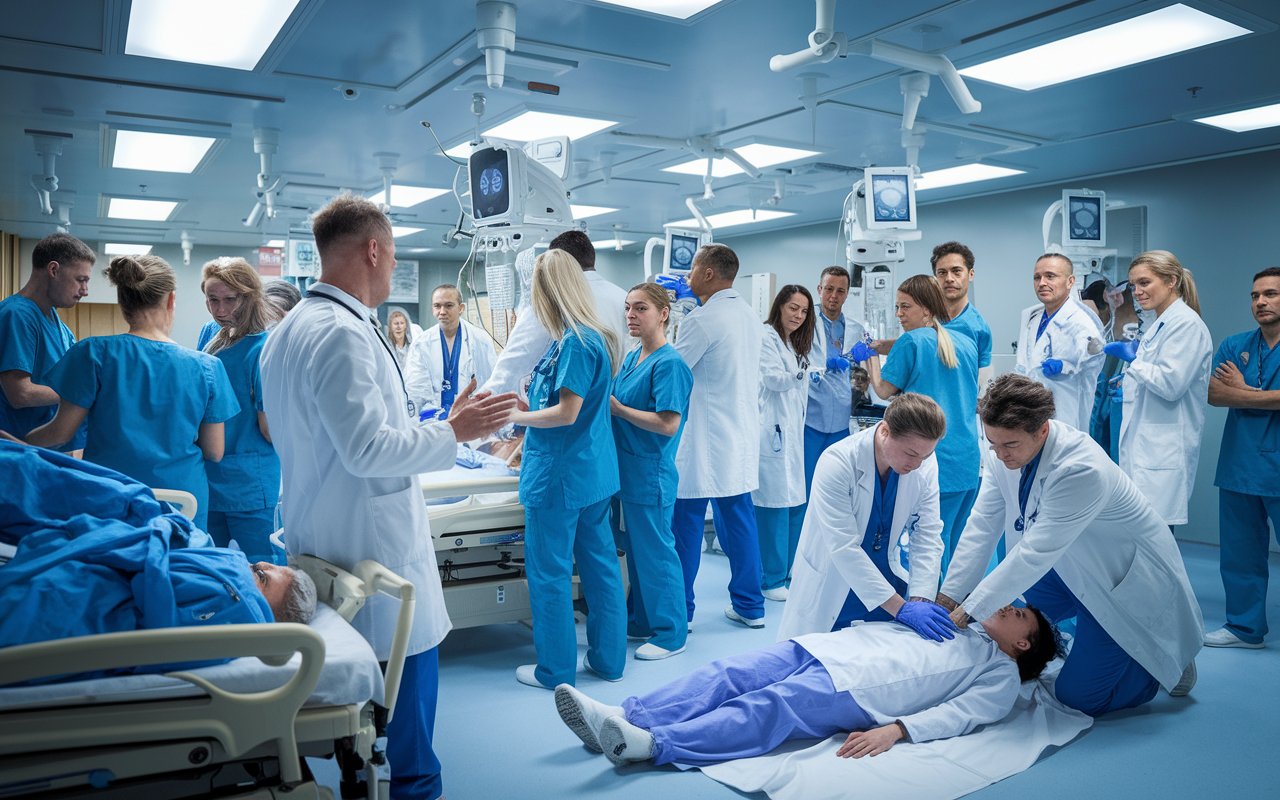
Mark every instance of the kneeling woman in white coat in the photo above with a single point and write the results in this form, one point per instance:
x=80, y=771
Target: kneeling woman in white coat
x=872, y=530
x=1166, y=385
x=784, y=390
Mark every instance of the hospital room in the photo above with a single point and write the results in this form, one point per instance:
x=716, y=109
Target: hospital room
x=624, y=399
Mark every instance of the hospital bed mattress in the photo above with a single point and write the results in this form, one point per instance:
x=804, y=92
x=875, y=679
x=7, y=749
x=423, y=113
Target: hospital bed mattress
x=351, y=676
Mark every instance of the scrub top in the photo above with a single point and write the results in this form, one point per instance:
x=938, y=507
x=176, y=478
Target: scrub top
x=1249, y=461
x=914, y=366
x=248, y=476
x=32, y=343
x=646, y=460
x=971, y=324
x=571, y=466
x=877, y=541
x=146, y=402
x=831, y=397
x=207, y=333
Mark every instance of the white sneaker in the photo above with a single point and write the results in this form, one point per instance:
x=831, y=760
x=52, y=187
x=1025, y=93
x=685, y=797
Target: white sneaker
x=777, y=594
x=757, y=622
x=651, y=652
x=526, y=676
x=586, y=665
x=583, y=715
x=624, y=743
x=1225, y=638
x=1187, y=681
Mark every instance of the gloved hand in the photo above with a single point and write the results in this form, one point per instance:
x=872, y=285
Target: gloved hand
x=837, y=364
x=675, y=283
x=1126, y=351
x=1051, y=367
x=436, y=414
x=861, y=352
x=929, y=620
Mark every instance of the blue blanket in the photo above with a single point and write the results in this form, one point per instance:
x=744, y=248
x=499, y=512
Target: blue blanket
x=97, y=553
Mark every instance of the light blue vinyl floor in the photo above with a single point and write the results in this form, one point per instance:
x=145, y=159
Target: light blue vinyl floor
x=500, y=739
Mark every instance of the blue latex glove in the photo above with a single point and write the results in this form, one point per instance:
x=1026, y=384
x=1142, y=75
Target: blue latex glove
x=837, y=364
x=438, y=414
x=861, y=352
x=1126, y=351
x=675, y=283
x=929, y=620
x=1051, y=367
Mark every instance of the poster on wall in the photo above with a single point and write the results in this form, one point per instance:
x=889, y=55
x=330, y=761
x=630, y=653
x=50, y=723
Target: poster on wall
x=404, y=282
x=303, y=260
x=270, y=261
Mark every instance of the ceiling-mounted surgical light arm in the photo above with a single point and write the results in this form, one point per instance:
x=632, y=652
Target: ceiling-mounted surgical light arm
x=933, y=64
x=187, y=244
x=48, y=147
x=496, y=36
x=746, y=165
x=387, y=166
x=63, y=201
x=825, y=43
x=702, y=221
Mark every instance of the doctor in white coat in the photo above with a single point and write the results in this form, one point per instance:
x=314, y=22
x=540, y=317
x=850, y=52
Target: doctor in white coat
x=1083, y=542
x=350, y=448
x=1053, y=342
x=529, y=341
x=784, y=374
x=871, y=548
x=438, y=370
x=1166, y=385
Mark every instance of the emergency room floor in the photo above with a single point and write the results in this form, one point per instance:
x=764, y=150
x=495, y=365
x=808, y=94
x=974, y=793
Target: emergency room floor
x=500, y=739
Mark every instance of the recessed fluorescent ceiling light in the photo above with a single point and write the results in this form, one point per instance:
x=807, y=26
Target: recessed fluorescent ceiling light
x=397, y=231
x=159, y=152
x=582, y=212
x=220, y=33
x=760, y=155
x=540, y=124
x=153, y=210
x=1155, y=35
x=126, y=249
x=408, y=196
x=969, y=173
x=1250, y=119
x=275, y=243
x=680, y=9
x=603, y=243
x=727, y=219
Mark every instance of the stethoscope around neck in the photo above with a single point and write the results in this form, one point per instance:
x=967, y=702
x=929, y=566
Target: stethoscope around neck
x=386, y=345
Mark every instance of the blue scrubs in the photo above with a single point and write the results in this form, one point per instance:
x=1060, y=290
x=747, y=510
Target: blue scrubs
x=735, y=523
x=207, y=333
x=1248, y=481
x=567, y=477
x=1108, y=408
x=450, y=357
x=244, y=487
x=830, y=405
x=415, y=770
x=779, y=533
x=971, y=324
x=876, y=541
x=914, y=366
x=146, y=402
x=648, y=478
x=32, y=343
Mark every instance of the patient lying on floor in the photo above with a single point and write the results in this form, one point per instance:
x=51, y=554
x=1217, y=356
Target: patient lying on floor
x=880, y=680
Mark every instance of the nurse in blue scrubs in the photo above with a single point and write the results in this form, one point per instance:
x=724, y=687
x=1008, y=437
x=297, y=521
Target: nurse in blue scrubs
x=928, y=360
x=244, y=487
x=650, y=403
x=155, y=409
x=568, y=476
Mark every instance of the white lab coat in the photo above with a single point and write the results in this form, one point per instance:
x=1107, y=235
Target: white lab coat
x=935, y=689
x=830, y=560
x=783, y=396
x=425, y=372
x=1165, y=392
x=529, y=341
x=719, y=455
x=349, y=455
x=1086, y=520
x=1067, y=339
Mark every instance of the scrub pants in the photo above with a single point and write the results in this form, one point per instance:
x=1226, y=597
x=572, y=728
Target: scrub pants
x=779, y=533
x=735, y=522
x=252, y=531
x=415, y=770
x=853, y=610
x=954, y=508
x=555, y=538
x=743, y=706
x=815, y=442
x=1099, y=676
x=1244, y=539
x=655, y=607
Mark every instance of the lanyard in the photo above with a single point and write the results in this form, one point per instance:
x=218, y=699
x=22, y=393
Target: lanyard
x=450, y=364
x=1025, y=482
x=386, y=345
x=1044, y=323
x=831, y=336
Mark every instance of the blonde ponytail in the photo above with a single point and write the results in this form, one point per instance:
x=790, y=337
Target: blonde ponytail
x=946, y=347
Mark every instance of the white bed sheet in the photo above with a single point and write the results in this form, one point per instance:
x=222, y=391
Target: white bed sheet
x=491, y=467
x=938, y=770
x=351, y=675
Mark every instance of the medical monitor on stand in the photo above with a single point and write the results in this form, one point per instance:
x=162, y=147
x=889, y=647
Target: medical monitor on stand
x=891, y=198
x=1084, y=218
x=509, y=187
x=681, y=247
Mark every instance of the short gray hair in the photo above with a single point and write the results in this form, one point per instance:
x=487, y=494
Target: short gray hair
x=300, y=600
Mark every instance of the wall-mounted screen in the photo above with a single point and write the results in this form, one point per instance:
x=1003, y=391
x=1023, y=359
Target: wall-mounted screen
x=1084, y=218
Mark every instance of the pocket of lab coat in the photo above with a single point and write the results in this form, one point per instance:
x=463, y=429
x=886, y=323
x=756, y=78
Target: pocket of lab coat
x=395, y=540
x=1146, y=593
x=773, y=440
x=1158, y=446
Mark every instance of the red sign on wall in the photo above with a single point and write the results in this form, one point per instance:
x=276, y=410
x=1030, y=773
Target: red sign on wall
x=270, y=261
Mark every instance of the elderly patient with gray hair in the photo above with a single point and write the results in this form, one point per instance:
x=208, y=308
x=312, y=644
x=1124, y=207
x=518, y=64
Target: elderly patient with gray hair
x=95, y=552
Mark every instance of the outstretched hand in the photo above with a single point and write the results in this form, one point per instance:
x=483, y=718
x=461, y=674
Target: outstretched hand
x=872, y=742
x=476, y=415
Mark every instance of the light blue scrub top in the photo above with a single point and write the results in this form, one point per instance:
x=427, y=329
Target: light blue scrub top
x=32, y=343
x=971, y=324
x=146, y=401
x=572, y=466
x=914, y=366
x=831, y=398
x=248, y=476
x=1249, y=461
x=207, y=333
x=646, y=460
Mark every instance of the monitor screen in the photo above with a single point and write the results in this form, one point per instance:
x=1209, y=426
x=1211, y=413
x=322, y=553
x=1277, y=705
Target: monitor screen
x=490, y=183
x=891, y=198
x=683, y=249
x=1084, y=218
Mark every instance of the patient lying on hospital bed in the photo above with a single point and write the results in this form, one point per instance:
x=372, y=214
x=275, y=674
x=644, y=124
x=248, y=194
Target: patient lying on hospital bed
x=879, y=680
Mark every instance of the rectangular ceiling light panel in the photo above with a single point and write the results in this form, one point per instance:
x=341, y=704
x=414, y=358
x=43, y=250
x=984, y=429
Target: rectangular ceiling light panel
x=969, y=173
x=398, y=230
x=151, y=210
x=408, y=196
x=220, y=33
x=727, y=219
x=540, y=124
x=679, y=9
x=159, y=152
x=1250, y=119
x=582, y=212
x=126, y=249
x=1169, y=30
x=760, y=155
x=611, y=244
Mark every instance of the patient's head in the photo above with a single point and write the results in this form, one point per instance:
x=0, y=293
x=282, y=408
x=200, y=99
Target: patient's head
x=289, y=591
x=1027, y=636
